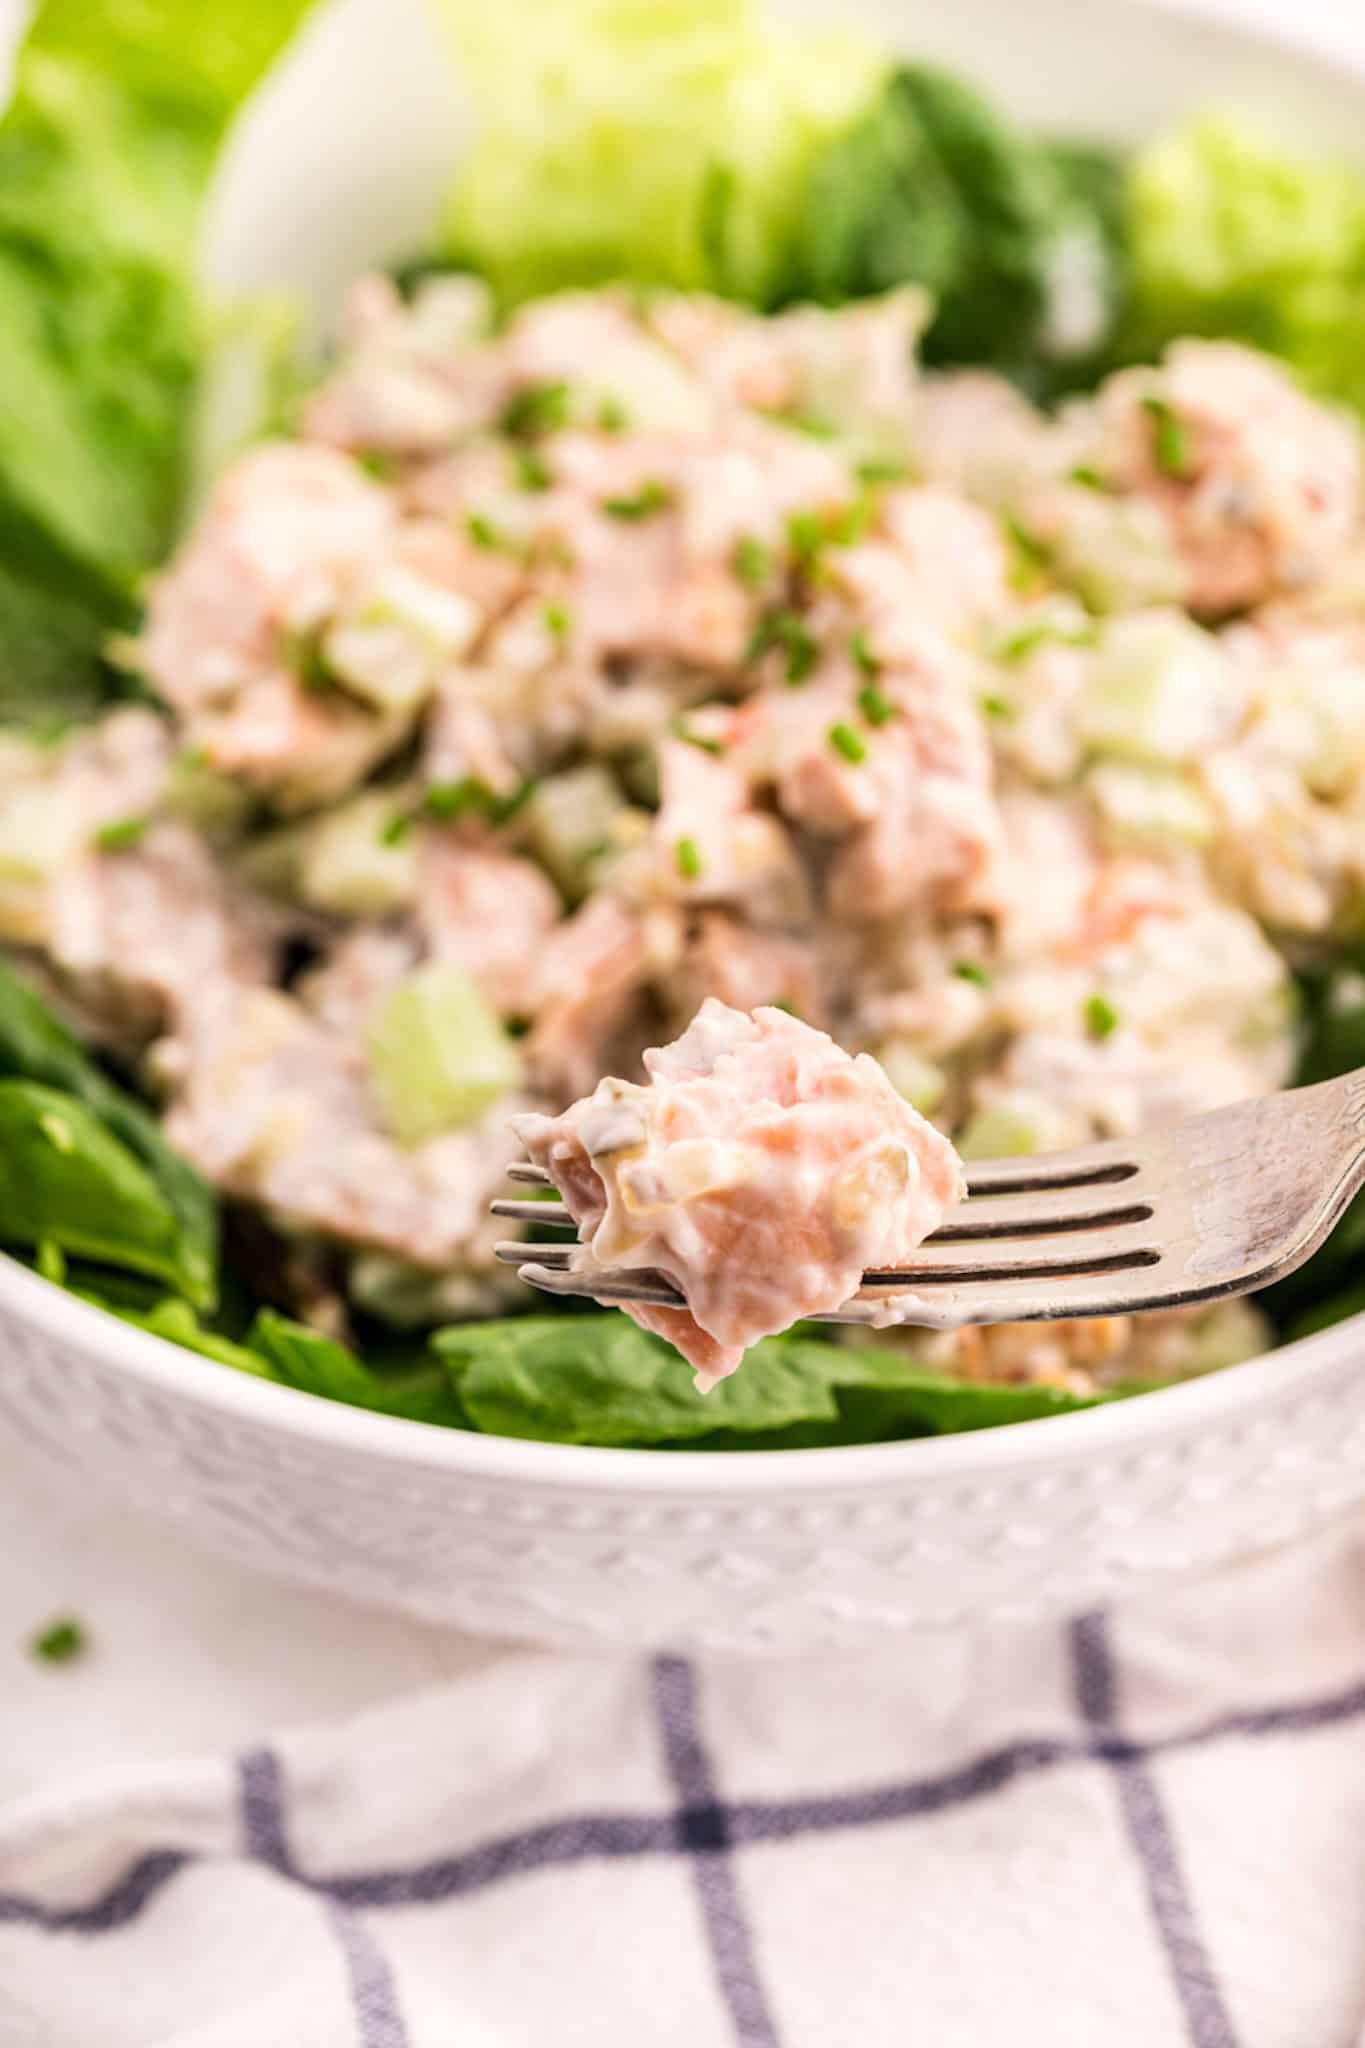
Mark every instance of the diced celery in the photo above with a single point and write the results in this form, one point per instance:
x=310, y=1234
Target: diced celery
x=1158, y=690
x=38, y=832
x=1116, y=553
x=213, y=802
x=390, y=648
x=569, y=820
x=438, y=1054
x=921, y=1083
x=1011, y=1128
x=351, y=861
x=1149, y=806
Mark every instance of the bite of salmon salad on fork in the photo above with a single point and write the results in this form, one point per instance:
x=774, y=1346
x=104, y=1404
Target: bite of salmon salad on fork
x=941, y=735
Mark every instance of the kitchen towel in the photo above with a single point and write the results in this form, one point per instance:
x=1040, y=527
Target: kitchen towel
x=1138, y=1828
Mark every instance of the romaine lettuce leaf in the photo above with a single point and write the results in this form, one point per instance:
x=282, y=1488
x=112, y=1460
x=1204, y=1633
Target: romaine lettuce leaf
x=1231, y=234
x=105, y=151
x=664, y=143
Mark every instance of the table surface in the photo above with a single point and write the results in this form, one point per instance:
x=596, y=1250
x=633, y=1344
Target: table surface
x=189, y=1651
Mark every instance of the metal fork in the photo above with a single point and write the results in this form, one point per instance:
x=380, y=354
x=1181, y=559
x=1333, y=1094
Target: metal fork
x=1217, y=1205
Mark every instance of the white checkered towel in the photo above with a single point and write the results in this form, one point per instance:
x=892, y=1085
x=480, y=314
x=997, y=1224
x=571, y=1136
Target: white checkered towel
x=1128, y=1832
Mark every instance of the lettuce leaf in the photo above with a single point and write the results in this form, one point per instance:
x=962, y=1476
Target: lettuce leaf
x=34, y=1046
x=1231, y=234
x=414, y=1385
x=934, y=186
x=1329, y=1287
x=663, y=141
x=105, y=151
x=597, y=1379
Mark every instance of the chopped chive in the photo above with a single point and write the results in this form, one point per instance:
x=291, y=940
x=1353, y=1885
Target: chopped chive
x=651, y=497
x=532, y=471
x=1170, y=441
x=687, y=855
x=881, y=470
x=377, y=464
x=753, y=561
x=1087, y=476
x=681, y=730
x=863, y=657
x=120, y=834
x=192, y=758
x=848, y=526
x=539, y=409
x=784, y=1003
x=558, y=620
x=1033, y=555
x=802, y=652
x=303, y=653
x=396, y=828
x=447, y=801
x=1101, y=1018
x=482, y=531
x=813, y=423
x=806, y=534
x=845, y=741
x=994, y=705
x=875, y=706
x=612, y=416
x=785, y=630
x=60, y=1642
x=967, y=970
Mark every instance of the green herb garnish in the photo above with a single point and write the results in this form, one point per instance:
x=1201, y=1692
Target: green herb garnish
x=1170, y=439
x=651, y=497
x=612, y=416
x=846, y=741
x=968, y=970
x=61, y=1642
x=396, y=828
x=687, y=857
x=482, y=531
x=533, y=472
x=753, y=561
x=875, y=705
x=863, y=657
x=1101, y=1018
x=539, y=409
x=558, y=620
x=120, y=834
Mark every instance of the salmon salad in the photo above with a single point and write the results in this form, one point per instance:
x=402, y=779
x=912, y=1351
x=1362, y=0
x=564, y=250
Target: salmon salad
x=555, y=679
x=784, y=632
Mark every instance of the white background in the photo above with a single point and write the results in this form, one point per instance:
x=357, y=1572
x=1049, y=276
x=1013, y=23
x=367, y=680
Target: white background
x=191, y=1652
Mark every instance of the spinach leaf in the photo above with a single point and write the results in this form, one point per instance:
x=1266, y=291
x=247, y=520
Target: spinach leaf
x=34, y=1046
x=598, y=1379
x=66, y=1180
x=1328, y=1288
x=416, y=1386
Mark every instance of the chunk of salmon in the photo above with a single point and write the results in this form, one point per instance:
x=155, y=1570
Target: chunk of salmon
x=274, y=1107
x=491, y=912
x=1260, y=486
x=412, y=379
x=151, y=936
x=761, y=1170
x=582, y=987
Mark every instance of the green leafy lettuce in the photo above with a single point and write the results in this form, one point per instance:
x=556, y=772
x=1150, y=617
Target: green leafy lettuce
x=664, y=141
x=106, y=149
x=597, y=1379
x=1015, y=240
x=1331, y=1286
x=1230, y=234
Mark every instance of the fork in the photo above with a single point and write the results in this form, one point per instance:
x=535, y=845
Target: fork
x=1216, y=1205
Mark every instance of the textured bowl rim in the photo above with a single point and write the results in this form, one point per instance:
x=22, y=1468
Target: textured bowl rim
x=1220, y=1398
x=1217, y=1398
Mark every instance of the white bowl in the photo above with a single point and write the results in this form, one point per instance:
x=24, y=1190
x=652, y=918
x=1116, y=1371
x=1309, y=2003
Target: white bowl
x=341, y=162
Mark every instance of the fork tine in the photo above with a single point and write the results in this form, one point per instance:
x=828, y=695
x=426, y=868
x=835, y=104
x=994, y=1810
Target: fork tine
x=522, y=1169
x=551, y=1214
